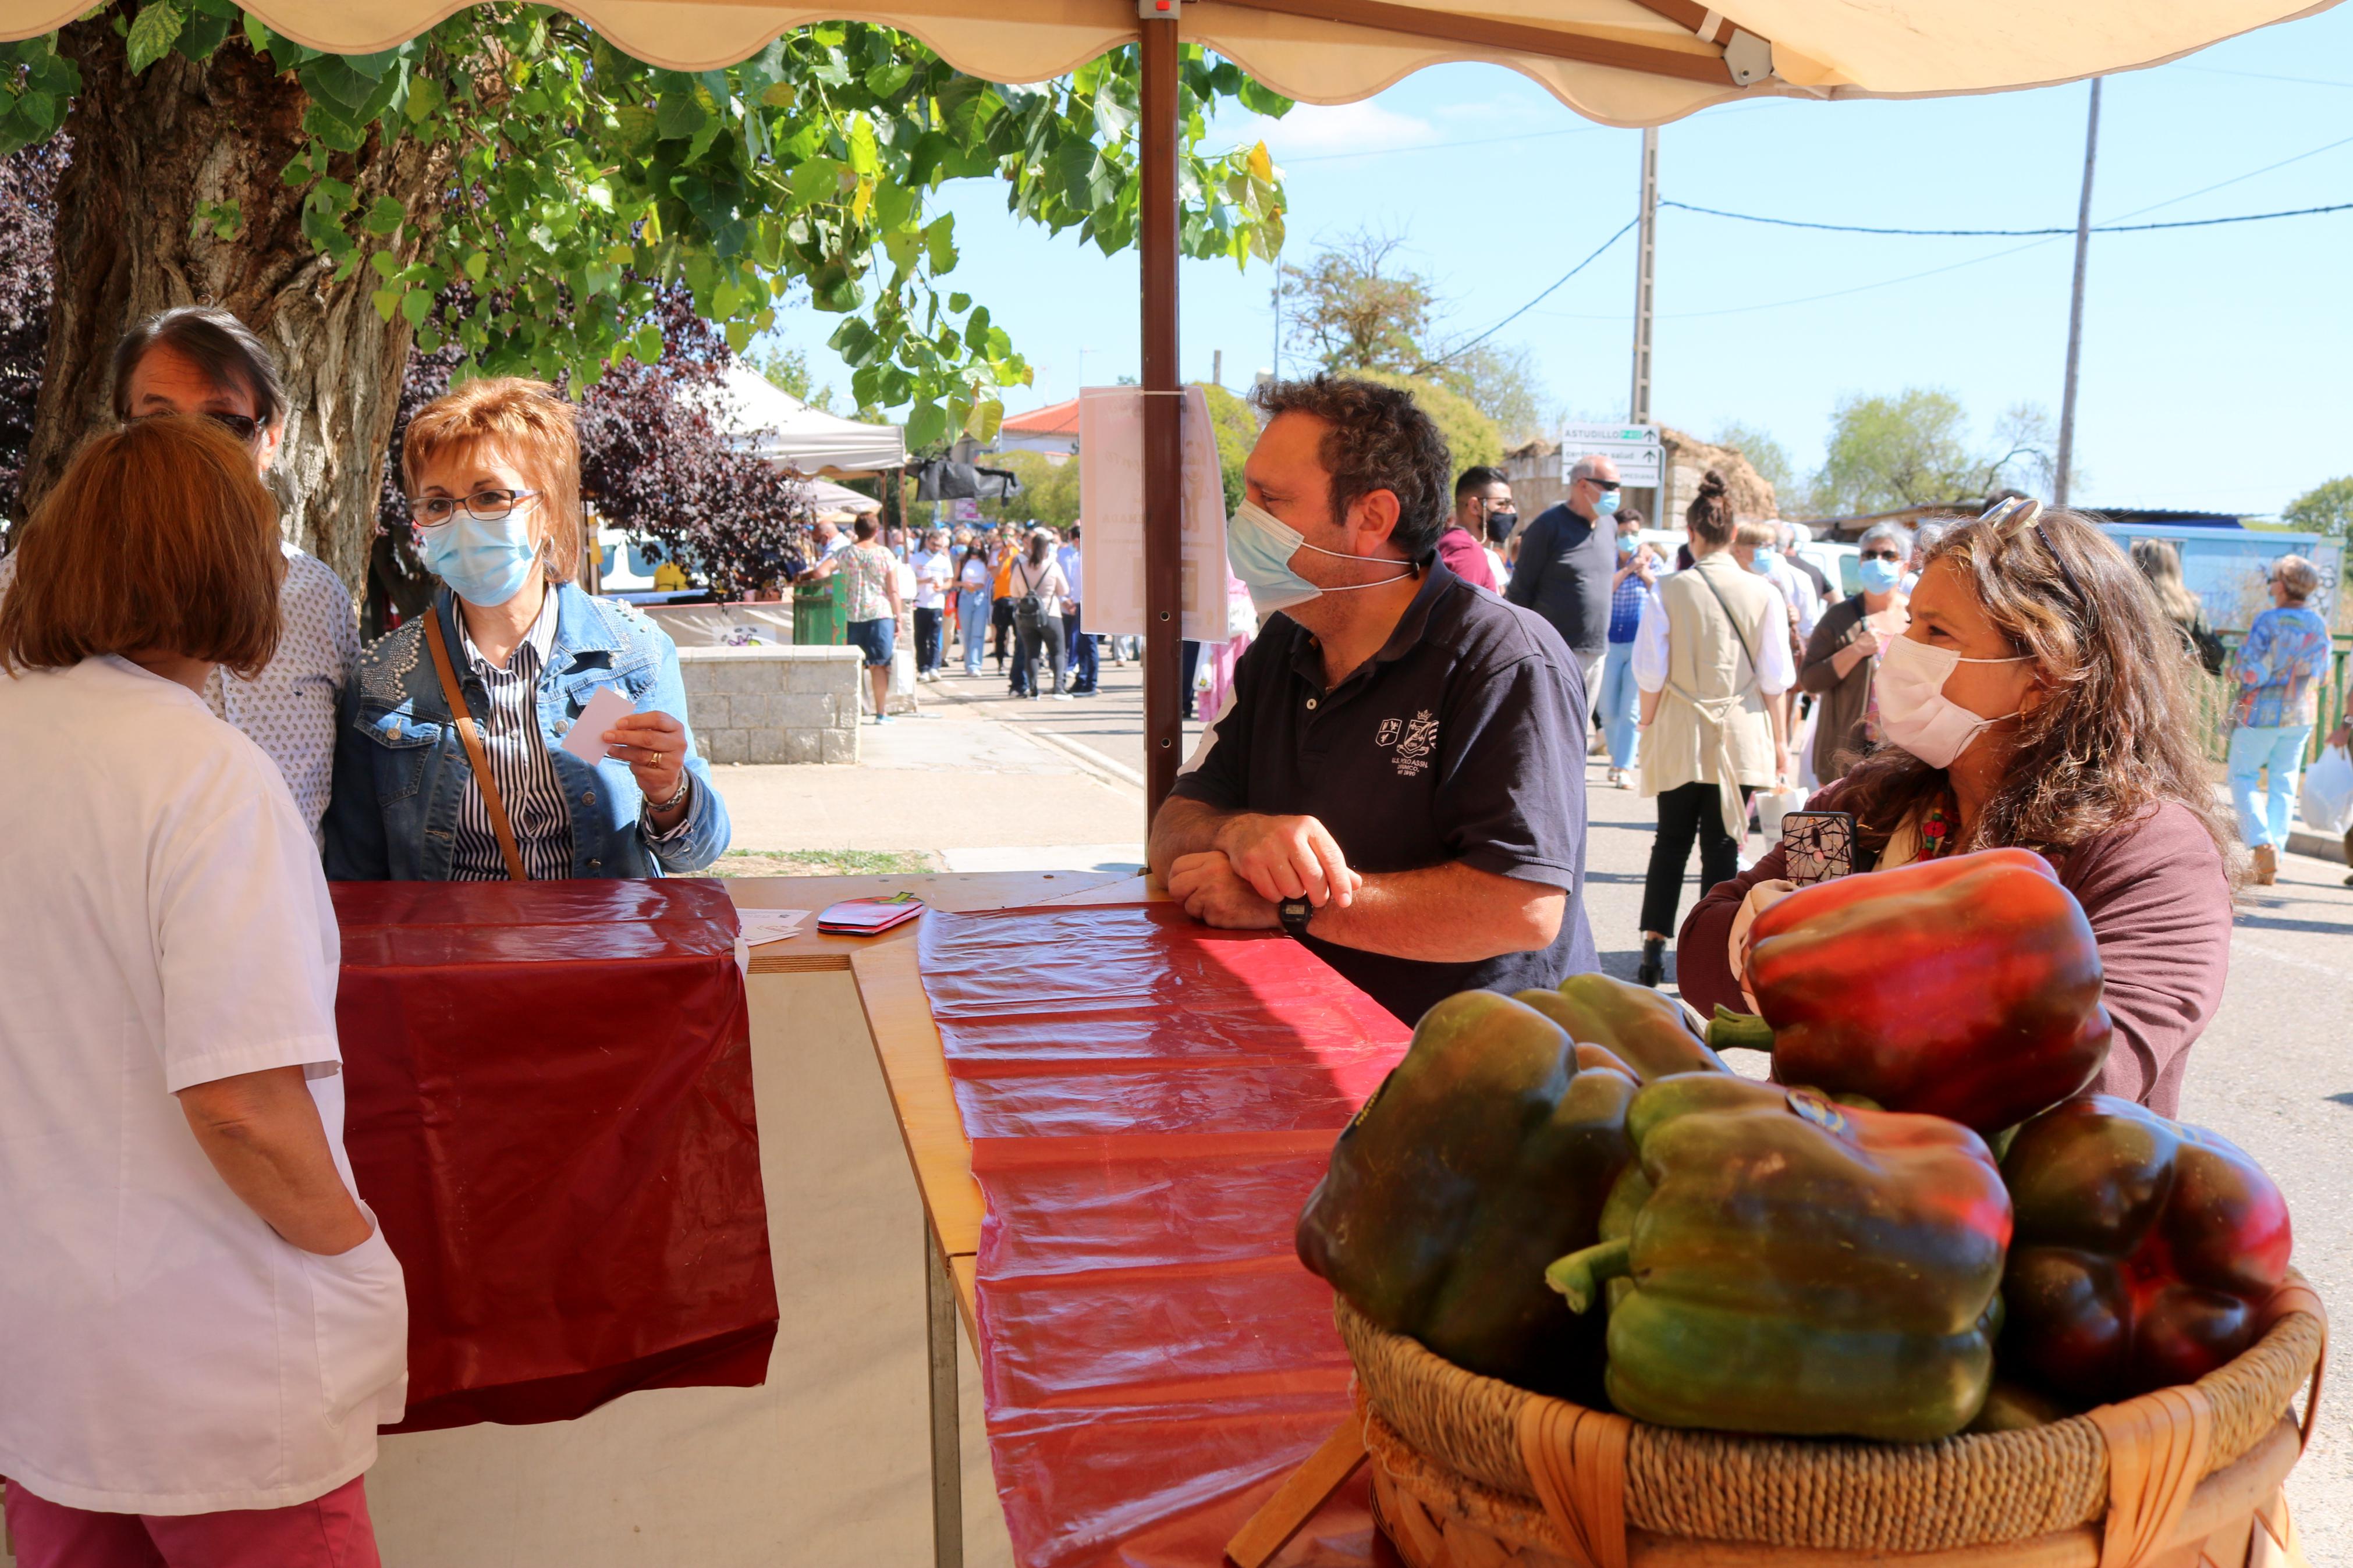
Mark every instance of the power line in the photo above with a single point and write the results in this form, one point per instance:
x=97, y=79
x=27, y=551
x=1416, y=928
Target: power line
x=2235, y=179
x=2008, y=233
x=1464, y=348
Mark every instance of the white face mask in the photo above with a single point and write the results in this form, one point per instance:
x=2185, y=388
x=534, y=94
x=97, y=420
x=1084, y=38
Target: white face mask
x=1259, y=547
x=1914, y=712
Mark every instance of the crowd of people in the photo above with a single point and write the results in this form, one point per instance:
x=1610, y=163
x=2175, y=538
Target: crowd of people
x=956, y=590
x=1394, y=775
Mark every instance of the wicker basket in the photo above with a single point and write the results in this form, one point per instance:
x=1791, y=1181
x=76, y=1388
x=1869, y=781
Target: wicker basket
x=1469, y=1472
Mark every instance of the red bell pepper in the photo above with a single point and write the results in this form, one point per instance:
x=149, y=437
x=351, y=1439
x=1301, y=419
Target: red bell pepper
x=1967, y=988
x=2143, y=1254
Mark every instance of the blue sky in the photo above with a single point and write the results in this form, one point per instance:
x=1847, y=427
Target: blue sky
x=2218, y=366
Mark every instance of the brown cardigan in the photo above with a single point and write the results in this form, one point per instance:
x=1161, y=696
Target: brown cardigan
x=2159, y=904
x=1839, y=725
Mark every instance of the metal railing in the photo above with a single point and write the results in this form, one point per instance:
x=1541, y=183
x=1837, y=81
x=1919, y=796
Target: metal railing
x=2218, y=695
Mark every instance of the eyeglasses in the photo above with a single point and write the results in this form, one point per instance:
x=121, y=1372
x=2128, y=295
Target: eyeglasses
x=482, y=506
x=1599, y=484
x=1883, y=555
x=237, y=424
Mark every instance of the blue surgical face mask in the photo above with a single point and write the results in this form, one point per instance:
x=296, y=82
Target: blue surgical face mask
x=1877, y=575
x=484, y=564
x=1259, y=547
x=1628, y=543
x=1606, y=503
x=1761, y=560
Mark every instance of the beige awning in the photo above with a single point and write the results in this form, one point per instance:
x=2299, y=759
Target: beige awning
x=1624, y=62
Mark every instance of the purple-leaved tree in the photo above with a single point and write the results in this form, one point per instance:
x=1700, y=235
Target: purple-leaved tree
x=28, y=213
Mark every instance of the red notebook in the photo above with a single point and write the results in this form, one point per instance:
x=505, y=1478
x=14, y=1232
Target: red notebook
x=869, y=917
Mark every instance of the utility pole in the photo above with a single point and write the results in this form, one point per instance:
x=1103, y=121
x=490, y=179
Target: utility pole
x=1646, y=254
x=1278, y=318
x=2075, y=310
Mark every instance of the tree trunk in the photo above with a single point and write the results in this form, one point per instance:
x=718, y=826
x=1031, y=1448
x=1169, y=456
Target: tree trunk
x=146, y=151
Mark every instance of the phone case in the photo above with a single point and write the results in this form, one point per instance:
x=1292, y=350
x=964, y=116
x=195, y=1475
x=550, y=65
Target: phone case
x=1816, y=846
x=869, y=917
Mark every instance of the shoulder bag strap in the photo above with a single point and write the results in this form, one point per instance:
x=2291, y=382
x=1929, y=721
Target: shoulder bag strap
x=1737, y=634
x=475, y=755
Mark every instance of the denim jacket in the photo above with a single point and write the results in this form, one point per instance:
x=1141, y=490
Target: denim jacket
x=401, y=769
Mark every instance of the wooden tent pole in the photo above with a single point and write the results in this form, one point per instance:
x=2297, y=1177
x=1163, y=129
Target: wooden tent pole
x=1164, y=660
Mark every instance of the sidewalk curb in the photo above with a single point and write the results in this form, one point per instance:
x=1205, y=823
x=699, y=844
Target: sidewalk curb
x=1092, y=761
x=1087, y=757
x=2319, y=846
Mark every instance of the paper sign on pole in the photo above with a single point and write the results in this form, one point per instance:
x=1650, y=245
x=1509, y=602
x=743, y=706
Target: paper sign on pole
x=1633, y=448
x=1111, y=506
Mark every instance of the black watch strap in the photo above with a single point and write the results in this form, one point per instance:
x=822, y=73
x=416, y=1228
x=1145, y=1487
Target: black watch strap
x=1295, y=913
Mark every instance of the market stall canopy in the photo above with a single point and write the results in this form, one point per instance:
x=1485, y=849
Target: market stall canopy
x=767, y=421
x=1624, y=62
x=827, y=496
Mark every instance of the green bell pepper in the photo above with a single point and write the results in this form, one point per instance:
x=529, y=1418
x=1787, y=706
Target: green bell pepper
x=1795, y=1266
x=1487, y=1153
x=1654, y=1035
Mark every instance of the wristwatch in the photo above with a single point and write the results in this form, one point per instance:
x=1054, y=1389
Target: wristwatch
x=1295, y=913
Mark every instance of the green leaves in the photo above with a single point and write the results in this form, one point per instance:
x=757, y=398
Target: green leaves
x=584, y=181
x=152, y=32
x=222, y=220
x=35, y=81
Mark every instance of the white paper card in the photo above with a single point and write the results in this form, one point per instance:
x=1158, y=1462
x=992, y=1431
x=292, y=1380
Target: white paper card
x=769, y=925
x=1111, y=498
x=586, y=740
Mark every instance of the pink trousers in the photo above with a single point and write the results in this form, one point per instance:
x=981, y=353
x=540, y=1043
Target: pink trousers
x=331, y=1531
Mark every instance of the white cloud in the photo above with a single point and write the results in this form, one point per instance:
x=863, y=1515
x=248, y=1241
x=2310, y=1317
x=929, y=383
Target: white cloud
x=1311, y=129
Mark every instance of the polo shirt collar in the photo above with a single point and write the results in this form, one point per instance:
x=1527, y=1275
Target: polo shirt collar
x=1403, y=638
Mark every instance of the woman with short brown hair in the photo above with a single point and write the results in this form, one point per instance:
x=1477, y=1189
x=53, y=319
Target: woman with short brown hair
x=204, y=1328
x=450, y=763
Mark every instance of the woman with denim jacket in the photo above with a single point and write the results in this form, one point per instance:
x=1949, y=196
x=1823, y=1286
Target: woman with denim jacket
x=494, y=475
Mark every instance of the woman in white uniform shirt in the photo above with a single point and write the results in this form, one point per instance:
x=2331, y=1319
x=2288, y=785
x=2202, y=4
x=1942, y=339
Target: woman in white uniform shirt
x=200, y=1325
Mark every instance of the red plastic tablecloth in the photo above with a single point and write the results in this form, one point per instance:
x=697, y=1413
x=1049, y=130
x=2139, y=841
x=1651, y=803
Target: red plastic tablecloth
x=549, y=1107
x=1149, y=1103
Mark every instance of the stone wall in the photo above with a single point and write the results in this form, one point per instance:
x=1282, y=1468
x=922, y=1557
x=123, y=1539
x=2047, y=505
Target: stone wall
x=767, y=704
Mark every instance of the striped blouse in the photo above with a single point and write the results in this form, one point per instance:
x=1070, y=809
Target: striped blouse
x=522, y=764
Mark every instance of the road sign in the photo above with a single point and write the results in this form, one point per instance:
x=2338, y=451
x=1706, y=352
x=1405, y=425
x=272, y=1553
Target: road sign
x=1633, y=448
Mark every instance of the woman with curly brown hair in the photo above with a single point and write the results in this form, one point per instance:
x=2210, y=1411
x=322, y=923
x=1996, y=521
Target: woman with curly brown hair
x=2037, y=701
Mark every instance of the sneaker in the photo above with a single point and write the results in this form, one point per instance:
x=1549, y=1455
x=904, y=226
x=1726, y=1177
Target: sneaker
x=1062, y=697
x=882, y=718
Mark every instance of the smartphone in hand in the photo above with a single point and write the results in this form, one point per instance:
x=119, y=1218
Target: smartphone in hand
x=1816, y=846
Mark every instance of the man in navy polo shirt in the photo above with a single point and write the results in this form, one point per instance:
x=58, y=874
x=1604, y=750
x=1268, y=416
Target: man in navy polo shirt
x=1398, y=778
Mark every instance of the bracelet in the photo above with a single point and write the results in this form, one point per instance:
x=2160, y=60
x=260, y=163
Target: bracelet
x=685, y=782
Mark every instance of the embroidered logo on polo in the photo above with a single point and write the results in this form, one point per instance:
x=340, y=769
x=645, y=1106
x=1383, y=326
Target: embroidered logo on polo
x=1414, y=741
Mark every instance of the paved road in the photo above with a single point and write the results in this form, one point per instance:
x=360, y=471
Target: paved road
x=2275, y=1072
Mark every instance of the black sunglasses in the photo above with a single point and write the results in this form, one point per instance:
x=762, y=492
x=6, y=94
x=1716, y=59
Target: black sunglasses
x=237, y=424
x=1881, y=556
x=1601, y=484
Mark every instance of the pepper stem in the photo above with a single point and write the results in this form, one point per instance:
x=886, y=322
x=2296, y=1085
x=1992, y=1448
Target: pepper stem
x=1579, y=1276
x=1743, y=1031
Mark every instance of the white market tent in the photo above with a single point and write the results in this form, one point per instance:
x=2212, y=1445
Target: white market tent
x=827, y=496
x=768, y=422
